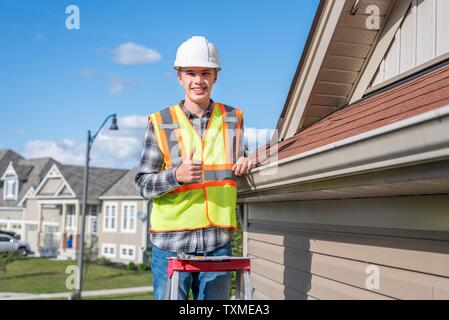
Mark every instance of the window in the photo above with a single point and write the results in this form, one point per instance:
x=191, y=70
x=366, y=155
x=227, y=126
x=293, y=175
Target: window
x=113, y=208
x=3, y=226
x=129, y=217
x=93, y=224
x=11, y=189
x=127, y=252
x=109, y=250
x=16, y=227
x=125, y=217
x=92, y=210
x=106, y=217
x=5, y=239
x=110, y=217
x=70, y=218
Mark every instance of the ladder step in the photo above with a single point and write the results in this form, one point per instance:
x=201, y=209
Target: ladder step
x=242, y=266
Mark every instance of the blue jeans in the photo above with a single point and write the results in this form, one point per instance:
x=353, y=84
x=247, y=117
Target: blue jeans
x=204, y=285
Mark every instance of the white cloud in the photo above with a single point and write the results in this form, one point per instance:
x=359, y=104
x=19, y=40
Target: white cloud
x=113, y=149
x=66, y=151
x=130, y=53
x=118, y=85
x=122, y=147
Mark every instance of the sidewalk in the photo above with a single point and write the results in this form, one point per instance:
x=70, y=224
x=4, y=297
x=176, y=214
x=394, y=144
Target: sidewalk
x=31, y=296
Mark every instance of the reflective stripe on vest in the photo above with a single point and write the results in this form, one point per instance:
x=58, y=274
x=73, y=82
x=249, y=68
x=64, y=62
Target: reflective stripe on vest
x=212, y=200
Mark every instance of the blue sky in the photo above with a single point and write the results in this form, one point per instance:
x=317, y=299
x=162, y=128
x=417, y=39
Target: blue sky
x=55, y=83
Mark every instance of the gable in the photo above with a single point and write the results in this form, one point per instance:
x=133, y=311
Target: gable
x=54, y=184
x=9, y=172
x=333, y=61
x=28, y=194
x=422, y=37
x=65, y=191
x=50, y=187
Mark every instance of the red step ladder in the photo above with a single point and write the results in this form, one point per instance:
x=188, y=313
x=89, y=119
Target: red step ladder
x=242, y=266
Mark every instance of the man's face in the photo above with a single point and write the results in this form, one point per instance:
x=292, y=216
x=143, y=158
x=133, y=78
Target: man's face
x=197, y=83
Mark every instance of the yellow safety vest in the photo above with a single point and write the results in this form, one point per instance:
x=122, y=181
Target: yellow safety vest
x=211, y=201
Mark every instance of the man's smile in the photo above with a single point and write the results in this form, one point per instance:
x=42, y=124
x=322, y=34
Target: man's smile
x=199, y=90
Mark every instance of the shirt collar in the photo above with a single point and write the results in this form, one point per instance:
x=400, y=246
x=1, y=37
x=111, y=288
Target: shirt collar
x=190, y=115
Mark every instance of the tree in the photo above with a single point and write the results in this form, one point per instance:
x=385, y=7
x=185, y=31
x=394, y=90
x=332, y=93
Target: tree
x=90, y=252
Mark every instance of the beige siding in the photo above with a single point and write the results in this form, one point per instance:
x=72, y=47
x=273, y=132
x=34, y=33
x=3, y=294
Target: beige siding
x=6, y=214
x=51, y=215
x=31, y=210
x=442, y=27
x=328, y=249
x=423, y=36
x=66, y=191
x=120, y=238
x=51, y=186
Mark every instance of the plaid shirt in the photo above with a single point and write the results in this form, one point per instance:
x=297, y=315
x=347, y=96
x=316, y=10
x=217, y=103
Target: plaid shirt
x=151, y=181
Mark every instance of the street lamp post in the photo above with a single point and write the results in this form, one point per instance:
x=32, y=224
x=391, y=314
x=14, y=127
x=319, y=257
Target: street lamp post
x=90, y=141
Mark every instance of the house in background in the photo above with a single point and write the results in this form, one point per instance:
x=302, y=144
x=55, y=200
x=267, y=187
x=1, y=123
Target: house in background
x=122, y=229
x=17, y=177
x=52, y=210
x=41, y=200
x=351, y=201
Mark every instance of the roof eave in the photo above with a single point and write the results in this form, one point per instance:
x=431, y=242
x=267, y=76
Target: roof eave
x=304, y=54
x=418, y=139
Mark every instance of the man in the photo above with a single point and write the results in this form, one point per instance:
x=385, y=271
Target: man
x=192, y=154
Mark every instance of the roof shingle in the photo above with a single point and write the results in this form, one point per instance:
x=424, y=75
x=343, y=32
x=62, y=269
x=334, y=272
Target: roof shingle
x=124, y=187
x=100, y=179
x=424, y=93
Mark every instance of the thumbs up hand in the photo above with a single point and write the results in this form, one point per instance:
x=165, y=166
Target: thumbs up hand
x=190, y=170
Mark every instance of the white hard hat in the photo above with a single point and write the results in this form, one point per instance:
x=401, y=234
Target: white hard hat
x=197, y=52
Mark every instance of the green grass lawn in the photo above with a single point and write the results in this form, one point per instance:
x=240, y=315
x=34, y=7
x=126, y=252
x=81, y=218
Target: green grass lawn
x=40, y=275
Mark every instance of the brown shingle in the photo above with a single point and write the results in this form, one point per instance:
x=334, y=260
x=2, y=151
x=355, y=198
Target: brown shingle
x=425, y=93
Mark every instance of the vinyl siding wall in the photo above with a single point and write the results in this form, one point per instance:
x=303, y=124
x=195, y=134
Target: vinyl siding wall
x=328, y=249
x=423, y=36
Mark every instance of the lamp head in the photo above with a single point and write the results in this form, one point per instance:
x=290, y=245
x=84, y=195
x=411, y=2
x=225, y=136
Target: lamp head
x=114, y=123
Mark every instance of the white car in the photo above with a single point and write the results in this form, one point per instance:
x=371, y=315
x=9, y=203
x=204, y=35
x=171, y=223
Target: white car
x=10, y=244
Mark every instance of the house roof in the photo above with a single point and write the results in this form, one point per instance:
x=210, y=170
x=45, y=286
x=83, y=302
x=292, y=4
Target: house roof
x=100, y=179
x=30, y=172
x=7, y=156
x=333, y=60
x=23, y=171
x=414, y=96
x=125, y=187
